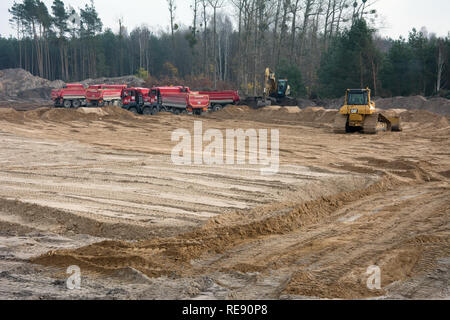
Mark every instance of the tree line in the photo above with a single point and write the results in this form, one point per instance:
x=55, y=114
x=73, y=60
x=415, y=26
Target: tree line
x=321, y=46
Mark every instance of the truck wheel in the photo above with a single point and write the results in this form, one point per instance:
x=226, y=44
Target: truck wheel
x=155, y=110
x=67, y=104
x=176, y=111
x=133, y=109
x=76, y=104
x=147, y=111
x=217, y=107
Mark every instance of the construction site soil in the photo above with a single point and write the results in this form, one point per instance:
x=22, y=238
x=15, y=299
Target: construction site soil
x=96, y=188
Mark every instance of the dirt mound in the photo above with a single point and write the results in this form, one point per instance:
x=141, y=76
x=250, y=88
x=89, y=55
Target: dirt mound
x=232, y=112
x=21, y=83
x=320, y=115
x=273, y=114
x=60, y=222
x=131, y=81
x=267, y=227
x=304, y=103
x=63, y=115
x=158, y=257
x=43, y=93
x=292, y=109
x=311, y=230
x=18, y=85
x=11, y=115
x=436, y=105
x=277, y=114
x=424, y=117
x=331, y=103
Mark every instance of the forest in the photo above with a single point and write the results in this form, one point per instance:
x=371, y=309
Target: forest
x=322, y=46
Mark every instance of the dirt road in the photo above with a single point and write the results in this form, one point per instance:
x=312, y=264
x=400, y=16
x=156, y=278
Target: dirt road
x=96, y=188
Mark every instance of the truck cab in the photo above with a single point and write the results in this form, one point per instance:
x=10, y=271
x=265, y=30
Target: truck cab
x=134, y=99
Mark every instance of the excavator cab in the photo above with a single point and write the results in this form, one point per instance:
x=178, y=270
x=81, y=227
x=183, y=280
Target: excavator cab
x=283, y=89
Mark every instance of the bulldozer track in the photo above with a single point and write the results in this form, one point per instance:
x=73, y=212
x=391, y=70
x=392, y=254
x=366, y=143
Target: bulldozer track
x=370, y=124
x=340, y=124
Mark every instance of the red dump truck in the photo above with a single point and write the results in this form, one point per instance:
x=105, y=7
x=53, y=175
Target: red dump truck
x=73, y=95
x=134, y=99
x=220, y=99
x=105, y=94
x=176, y=100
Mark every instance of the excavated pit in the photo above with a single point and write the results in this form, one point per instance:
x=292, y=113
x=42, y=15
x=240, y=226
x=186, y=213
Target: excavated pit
x=96, y=188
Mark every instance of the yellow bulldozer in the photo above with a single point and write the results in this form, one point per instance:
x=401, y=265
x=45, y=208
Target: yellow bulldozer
x=359, y=114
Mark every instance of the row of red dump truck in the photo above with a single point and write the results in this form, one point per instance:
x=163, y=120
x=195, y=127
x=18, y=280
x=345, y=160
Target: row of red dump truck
x=176, y=99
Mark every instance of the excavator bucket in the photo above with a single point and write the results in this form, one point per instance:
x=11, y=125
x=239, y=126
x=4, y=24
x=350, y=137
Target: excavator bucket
x=256, y=102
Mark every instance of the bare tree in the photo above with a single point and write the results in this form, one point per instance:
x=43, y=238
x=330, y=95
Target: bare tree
x=275, y=31
x=295, y=7
x=442, y=57
x=194, y=7
x=205, y=36
x=239, y=4
x=215, y=4
x=306, y=17
x=284, y=27
x=172, y=8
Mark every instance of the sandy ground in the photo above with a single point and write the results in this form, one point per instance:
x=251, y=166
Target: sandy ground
x=96, y=188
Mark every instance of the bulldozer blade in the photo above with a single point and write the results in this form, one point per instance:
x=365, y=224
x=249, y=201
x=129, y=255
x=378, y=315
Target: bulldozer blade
x=393, y=122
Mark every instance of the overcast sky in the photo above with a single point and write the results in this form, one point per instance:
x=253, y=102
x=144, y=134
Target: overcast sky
x=396, y=17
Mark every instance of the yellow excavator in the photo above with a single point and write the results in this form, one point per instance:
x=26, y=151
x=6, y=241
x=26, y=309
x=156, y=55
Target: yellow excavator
x=273, y=88
x=359, y=114
x=276, y=92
